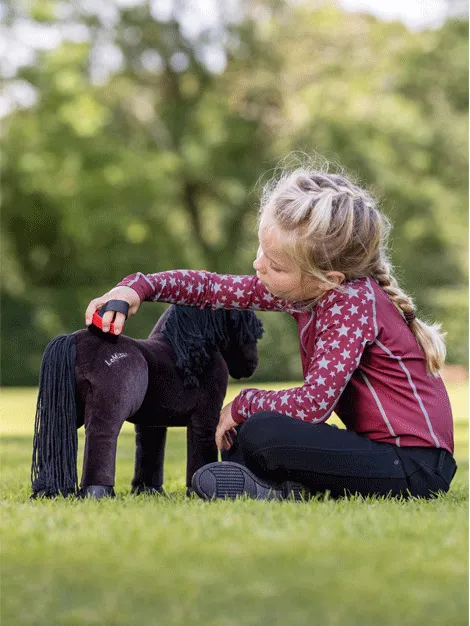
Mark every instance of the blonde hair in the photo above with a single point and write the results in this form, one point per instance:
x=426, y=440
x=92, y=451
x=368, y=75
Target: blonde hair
x=330, y=224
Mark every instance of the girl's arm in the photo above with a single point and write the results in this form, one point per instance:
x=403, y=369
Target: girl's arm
x=345, y=323
x=206, y=289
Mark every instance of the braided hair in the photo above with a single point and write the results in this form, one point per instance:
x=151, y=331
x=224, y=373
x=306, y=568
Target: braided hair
x=328, y=223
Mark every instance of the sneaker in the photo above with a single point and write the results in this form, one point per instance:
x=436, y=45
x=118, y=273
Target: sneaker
x=225, y=479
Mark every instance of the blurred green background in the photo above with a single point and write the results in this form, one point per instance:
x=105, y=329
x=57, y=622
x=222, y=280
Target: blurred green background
x=136, y=138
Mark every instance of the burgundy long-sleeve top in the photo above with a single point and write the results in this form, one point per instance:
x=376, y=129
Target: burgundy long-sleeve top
x=359, y=357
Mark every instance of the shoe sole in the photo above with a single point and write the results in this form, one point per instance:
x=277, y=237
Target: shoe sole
x=226, y=479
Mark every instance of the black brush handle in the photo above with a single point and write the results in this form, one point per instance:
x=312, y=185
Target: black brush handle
x=120, y=306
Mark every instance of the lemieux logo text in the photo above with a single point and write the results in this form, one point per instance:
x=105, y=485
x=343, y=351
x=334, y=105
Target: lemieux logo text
x=115, y=357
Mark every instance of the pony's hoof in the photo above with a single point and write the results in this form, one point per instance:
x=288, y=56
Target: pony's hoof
x=48, y=494
x=152, y=491
x=190, y=492
x=96, y=492
x=43, y=493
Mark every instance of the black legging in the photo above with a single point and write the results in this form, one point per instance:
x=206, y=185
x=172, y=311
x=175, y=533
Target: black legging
x=324, y=458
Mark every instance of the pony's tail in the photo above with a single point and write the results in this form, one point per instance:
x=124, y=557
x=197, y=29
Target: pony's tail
x=55, y=444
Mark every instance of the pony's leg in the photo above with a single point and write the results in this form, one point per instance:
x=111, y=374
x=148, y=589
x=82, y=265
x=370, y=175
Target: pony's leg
x=115, y=394
x=200, y=443
x=149, y=458
x=201, y=447
x=102, y=427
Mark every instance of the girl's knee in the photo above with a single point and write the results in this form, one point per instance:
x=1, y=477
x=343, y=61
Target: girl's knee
x=258, y=431
x=258, y=441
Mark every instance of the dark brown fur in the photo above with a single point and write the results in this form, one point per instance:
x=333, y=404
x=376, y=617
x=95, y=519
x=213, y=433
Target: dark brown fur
x=122, y=379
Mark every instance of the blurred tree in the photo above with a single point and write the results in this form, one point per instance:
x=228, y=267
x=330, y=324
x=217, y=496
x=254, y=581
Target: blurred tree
x=146, y=141
x=392, y=106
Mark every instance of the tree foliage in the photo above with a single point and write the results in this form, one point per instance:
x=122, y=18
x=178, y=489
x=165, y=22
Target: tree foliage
x=155, y=164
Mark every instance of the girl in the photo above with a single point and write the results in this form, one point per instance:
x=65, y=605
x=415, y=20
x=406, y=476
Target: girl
x=323, y=259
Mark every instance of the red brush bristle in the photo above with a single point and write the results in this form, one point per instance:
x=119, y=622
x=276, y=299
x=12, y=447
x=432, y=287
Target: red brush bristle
x=98, y=322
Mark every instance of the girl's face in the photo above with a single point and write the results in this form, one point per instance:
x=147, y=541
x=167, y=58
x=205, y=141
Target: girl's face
x=281, y=276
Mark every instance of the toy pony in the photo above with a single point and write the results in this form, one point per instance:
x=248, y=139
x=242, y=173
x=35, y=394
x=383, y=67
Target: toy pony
x=176, y=377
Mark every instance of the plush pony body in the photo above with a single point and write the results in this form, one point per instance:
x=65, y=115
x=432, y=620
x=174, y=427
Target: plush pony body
x=176, y=377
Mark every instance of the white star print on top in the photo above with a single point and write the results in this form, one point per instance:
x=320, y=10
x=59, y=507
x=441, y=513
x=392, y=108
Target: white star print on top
x=329, y=369
x=331, y=364
x=359, y=357
x=240, y=292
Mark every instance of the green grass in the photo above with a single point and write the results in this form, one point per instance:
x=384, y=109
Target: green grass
x=178, y=561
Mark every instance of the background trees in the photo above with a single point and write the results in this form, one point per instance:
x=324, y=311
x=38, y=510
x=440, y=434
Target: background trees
x=149, y=136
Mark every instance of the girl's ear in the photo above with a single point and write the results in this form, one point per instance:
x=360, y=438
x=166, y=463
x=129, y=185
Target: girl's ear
x=335, y=277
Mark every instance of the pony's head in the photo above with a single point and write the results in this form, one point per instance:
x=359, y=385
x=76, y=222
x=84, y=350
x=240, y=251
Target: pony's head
x=194, y=334
x=241, y=351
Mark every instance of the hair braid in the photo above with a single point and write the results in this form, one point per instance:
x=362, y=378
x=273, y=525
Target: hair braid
x=429, y=337
x=384, y=276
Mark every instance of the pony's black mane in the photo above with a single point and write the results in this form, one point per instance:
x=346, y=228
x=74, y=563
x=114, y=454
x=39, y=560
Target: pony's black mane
x=194, y=334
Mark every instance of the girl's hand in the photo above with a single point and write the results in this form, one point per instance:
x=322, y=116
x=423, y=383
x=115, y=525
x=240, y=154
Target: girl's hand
x=225, y=428
x=118, y=293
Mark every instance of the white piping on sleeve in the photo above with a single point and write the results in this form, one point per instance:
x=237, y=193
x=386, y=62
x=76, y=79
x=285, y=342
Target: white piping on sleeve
x=374, y=317
x=137, y=277
x=304, y=329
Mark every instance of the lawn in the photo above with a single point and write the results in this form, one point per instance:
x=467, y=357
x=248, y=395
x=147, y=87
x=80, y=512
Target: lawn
x=178, y=561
